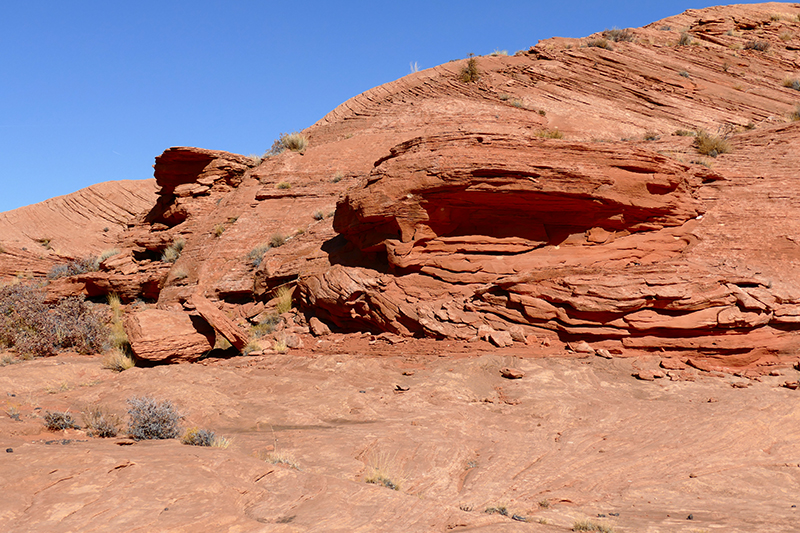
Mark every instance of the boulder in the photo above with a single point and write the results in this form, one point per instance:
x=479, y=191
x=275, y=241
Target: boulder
x=167, y=336
x=221, y=323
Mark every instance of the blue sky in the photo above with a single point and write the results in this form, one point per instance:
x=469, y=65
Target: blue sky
x=93, y=91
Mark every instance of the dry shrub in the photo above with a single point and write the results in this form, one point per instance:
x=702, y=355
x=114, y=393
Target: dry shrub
x=58, y=420
x=588, y=525
x=685, y=39
x=100, y=423
x=73, y=268
x=151, y=419
x=35, y=328
x=173, y=251
x=256, y=255
x=618, y=35
x=204, y=437
x=711, y=145
x=277, y=240
x=761, y=46
x=470, y=72
x=118, y=361
x=600, y=43
x=550, y=134
x=792, y=83
x=283, y=185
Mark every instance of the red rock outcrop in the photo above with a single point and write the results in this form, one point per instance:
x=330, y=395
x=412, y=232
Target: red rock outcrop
x=455, y=211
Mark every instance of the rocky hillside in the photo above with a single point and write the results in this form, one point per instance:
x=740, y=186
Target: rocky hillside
x=559, y=196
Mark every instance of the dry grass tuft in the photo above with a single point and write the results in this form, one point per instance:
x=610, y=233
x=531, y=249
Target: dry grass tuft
x=117, y=361
x=599, y=43
x=204, y=437
x=99, y=423
x=550, y=134
x=588, y=525
x=173, y=251
x=711, y=145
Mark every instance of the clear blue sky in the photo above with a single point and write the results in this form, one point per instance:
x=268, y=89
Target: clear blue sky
x=93, y=91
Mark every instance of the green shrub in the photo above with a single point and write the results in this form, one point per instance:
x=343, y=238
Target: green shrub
x=470, y=73
x=57, y=420
x=150, y=419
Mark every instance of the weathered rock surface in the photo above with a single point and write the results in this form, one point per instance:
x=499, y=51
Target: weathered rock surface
x=166, y=336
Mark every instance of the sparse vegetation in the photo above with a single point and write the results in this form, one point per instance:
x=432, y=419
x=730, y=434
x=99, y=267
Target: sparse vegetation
x=284, y=299
x=118, y=337
x=179, y=273
x=501, y=510
x=280, y=459
x=760, y=46
x=277, y=240
x=117, y=361
x=470, y=72
x=35, y=328
x=498, y=52
x=684, y=133
x=151, y=419
x=550, y=134
x=280, y=346
x=173, y=251
x=318, y=215
x=588, y=525
x=256, y=255
x=45, y=243
x=337, y=177
x=684, y=74
x=618, y=35
x=792, y=83
x=785, y=36
x=204, y=437
x=58, y=420
x=795, y=115
x=294, y=142
x=711, y=145
x=218, y=230
x=685, y=39
x=105, y=254
x=651, y=136
x=283, y=185
x=99, y=423
x=73, y=268
x=265, y=327
x=599, y=43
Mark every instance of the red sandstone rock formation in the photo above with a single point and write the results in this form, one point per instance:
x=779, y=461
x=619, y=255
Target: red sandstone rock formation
x=453, y=211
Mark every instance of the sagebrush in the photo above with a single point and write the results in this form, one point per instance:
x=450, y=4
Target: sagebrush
x=35, y=328
x=151, y=419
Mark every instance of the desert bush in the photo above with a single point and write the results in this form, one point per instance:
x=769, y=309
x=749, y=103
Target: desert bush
x=588, y=525
x=280, y=346
x=151, y=419
x=73, y=268
x=337, y=177
x=283, y=185
x=684, y=133
x=550, y=134
x=256, y=255
x=792, y=84
x=265, y=327
x=35, y=328
x=105, y=254
x=599, y=43
x=277, y=240
x=284, y=297
x=58, y=420
x=173, y=251
x=318, y=215
x=685, y=39
x=785, y=36
x=204, y=437
x=117, y=361
x=711, y=145
x=760, y=46
x=470, y=73
x=179, y=273
x=218, y=230
x=295, y=142
x=618, y=35
x=99, y=423
x=684, y=74
x=795, y=115
x=501, y=510
x=278, y=458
